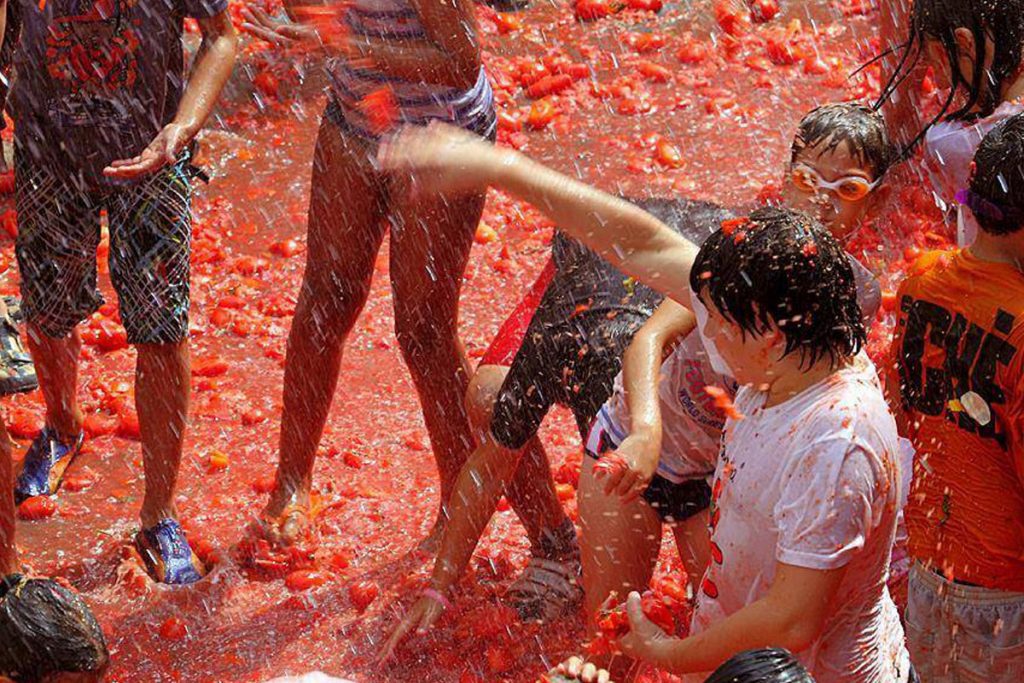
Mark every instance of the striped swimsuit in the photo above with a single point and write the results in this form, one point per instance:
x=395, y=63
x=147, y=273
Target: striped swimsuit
x=418, y=103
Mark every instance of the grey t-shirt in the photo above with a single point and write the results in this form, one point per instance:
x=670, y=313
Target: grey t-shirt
x=97, y=80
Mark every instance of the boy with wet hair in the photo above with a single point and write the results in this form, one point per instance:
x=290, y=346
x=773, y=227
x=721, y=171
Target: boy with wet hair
x=660, y=430
x=957, y=386
x=115, y=136
x=806, y=490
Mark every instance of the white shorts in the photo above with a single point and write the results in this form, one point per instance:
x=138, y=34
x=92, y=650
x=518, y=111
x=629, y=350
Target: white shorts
x=963, y=634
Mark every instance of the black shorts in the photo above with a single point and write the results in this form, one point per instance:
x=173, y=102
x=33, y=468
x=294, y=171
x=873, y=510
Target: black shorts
x=673, y=502
x=569, y=362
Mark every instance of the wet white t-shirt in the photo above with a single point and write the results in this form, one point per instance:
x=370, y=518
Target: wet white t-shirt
x=813, y=482
x=950, y=146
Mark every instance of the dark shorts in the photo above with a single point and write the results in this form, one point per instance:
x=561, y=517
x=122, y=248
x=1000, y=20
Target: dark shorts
x=505, y=346
x=673, y=502
x=150, y=243
x=567, y=362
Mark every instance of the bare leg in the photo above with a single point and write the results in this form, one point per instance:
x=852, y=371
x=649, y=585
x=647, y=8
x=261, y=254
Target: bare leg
x=8, y=549
x=162, y=390
x=619, y=547
x=429, y=249
x=56, y=362
x=694, y=544
x=532, y=491
x=345, y=233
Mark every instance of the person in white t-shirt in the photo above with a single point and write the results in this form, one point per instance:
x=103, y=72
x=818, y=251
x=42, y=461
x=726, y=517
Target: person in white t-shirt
x=660, y=422
x=807, y=488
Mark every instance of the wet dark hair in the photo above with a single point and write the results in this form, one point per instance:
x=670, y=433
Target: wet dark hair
x=46, y=629
x=782, y=266
x=858, y=125
x=771, y=665
x=997, y=183
x=1000, y=20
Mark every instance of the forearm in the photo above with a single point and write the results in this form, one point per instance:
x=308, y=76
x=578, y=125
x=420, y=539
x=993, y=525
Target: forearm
x=214, y=63
x=620, y=232
x=641, y=367
x=758, y=625
x=480, y=484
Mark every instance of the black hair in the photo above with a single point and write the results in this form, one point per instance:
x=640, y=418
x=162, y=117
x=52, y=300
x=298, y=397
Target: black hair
x=996, y=194
x=770, y=665
x=858, y=125
x=782, y=266
x=46, y=629
x=1000, y=20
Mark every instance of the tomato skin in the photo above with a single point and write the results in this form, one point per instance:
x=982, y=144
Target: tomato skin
x=173, y=629
x=732, y=17
x=549, y=85
x=592, y=10
x=668, y=155
x=654, y=72
x=542, y=112
x=304, y=579
x=37, y=507
x=362, y=594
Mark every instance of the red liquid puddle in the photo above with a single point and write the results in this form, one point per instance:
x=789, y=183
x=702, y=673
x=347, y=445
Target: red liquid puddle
x=719, y=128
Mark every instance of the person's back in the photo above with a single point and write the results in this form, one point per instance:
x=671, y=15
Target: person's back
x=962, y=385
x=957, y=384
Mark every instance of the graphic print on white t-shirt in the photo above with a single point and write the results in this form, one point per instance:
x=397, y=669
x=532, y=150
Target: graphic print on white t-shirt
x=812, y=482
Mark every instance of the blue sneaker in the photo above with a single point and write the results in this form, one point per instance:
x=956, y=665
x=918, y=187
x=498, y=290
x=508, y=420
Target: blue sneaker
x=45, y=463
x=168, y=556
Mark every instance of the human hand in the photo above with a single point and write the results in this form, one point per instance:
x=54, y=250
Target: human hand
x=645, y=640
x=576, y=669
x=162, y=151
x=421, y=616
x=628, y=471
x=287, y=35
x=441, y=158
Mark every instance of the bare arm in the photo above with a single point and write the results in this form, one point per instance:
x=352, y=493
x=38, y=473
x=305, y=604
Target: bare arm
x=445, y=159
x=477, y=490
x=641, y=375
x=213, y=65
x=792, y=615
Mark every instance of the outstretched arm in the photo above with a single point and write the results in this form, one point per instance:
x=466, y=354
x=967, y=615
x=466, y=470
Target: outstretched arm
x=480, y=484
x=442, y=158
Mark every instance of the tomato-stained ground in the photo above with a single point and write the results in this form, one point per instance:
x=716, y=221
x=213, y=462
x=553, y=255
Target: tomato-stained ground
x=654, y=104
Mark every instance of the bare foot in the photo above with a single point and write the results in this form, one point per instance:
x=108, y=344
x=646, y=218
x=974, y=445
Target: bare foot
x=288, y=519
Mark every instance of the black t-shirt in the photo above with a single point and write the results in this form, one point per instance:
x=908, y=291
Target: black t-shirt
x=574, y=344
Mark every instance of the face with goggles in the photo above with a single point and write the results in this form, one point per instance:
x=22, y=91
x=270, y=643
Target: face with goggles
x=832, y=185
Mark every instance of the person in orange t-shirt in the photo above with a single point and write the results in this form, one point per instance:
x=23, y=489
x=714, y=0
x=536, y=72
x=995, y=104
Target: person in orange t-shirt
x=958, y=362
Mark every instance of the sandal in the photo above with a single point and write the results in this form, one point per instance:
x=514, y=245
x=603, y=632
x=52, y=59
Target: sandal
x=45, y=464
x=547, y=589
x=17, y=373
x=167, y=555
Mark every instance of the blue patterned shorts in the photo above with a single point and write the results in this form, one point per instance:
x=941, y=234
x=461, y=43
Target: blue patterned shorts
x=150, y=225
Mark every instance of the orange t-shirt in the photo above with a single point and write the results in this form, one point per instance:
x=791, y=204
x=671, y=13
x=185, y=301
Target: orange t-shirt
x=958, y=356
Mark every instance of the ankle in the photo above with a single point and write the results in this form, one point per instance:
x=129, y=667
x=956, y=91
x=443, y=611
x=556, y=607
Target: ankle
x=556, y=543
x=151, y=515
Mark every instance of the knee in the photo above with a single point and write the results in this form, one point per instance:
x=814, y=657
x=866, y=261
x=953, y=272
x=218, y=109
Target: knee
x=425, y=339
x=481, y=394
x=329, y=303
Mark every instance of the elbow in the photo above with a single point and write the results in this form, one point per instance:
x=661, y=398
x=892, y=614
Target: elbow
x=797, y=632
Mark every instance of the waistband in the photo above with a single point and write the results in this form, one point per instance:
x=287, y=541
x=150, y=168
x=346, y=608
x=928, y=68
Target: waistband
x=975, y=595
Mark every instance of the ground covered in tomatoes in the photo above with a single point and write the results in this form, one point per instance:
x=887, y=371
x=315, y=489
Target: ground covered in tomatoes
x=696, y=99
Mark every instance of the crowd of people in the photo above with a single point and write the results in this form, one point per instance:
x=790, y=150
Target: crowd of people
x=712, y=357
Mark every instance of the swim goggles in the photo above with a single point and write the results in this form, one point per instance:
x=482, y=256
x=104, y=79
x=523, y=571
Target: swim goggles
x=850, y=188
